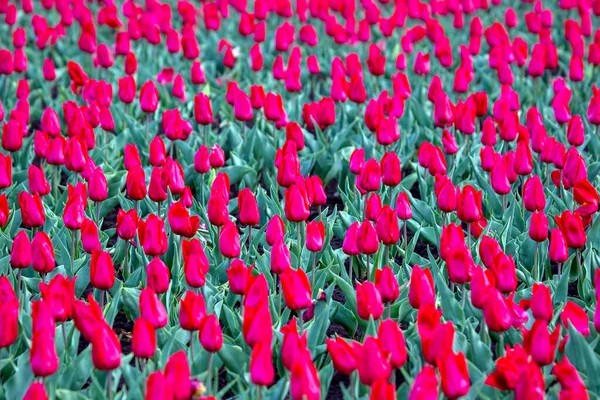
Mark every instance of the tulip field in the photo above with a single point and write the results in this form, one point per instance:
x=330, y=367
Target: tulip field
x=299, y=199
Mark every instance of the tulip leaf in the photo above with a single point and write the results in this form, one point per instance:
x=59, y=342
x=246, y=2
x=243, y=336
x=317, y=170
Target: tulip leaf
x=234, y=358
x=318, y=328
x=583, y=357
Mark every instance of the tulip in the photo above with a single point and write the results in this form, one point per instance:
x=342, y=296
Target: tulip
x=127, y=89
x=102, y=270
x=368, y=301
x=9, y=318
x=294, y=345
x=391, y=173
x=452, y=237
x=136, y=183
x=12, y=136
x=425, y=385
x=249, y=214
x=392, y=342
x=446, y=194
x=505, y=273
x=343, y=355
x=216, y=209
x=387, y=284
x=280, y=257
x=149, y=97
x=366, y=239
x=459, y=264
x=571, y=226
x=357, y=161
x=210, y=334
x=152, y=310
x=261, y=365
x=297, y=206
x=127, y=222
x=106, y=349
x=571, y=384
x=372, y=362
x=5, y=171
x=59, y=295
x=469, y=205
x=43, y=357
x=275, y=230
x=201, y=161
x=229, y=240
x=454, y=375
x=576, y=316
x=239, y=277
x=296, y=289
x=195, y=263
x=20, y=255
x=538, y=227
x=177, y=376
x=180, y=221
x=370, y=176
x=496, y=312
x=499, y=179
x=315, y=235
x=539, y=343
x=38, y=184
x=32, y=210
x=192, y=311
x=36, y=391
x=158, y=276
x=152, y=235
x=143, y=342
x=403, y=207
x=421, y=290
x=216, y=158
x=42, y=251
x=533, y=194
x=372, y=206
x=304, y=380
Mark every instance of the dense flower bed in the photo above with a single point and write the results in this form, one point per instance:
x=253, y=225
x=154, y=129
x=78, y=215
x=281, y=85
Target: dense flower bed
x=299, y=199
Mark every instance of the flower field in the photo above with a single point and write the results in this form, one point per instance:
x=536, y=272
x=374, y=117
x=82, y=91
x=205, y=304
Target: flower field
x=303, y=199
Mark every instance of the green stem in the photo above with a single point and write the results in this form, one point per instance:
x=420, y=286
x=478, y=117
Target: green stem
x=314, y=263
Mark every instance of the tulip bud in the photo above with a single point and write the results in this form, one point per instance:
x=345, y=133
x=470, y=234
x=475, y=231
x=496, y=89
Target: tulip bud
x=210, y=333
x=296, y=289
x=143, y=342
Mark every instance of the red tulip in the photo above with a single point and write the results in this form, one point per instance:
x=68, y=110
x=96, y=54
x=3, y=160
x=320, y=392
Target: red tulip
x=43, y=357
x=372, y=362
x=343, y=355
x=177, y=376
x=368, y=301
x=496, y=312
x=106, y=349
x=229, y=240
x=192, y=311
x=387, y=284
x=36, y=391
x=149, y=97
x=180, y=221
x=195, y=263
x=249, y=214
x=366, y=238
x=454, y=375
x=42, y=251
x=421, y=290
x=539, y=343
x=261, y=364
x=102, y=270
x=297, y=206
x=275, y=230
x=403, y=207
x=239, y=277
x=571, y=384
x=425, y=385
x=59, y=295
x=20, y=255
x=392, y=342
x=158, y=276
x=370, y=176
x=143, y=342
x=315, y=235
x=210, y=334
x=469, y=205
x=136, y=183
x=127, y=222
x=576, y=316
x=296, y=289
x=152, y=309
x=32, y=210
x=152, y=235
x=571, y=226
